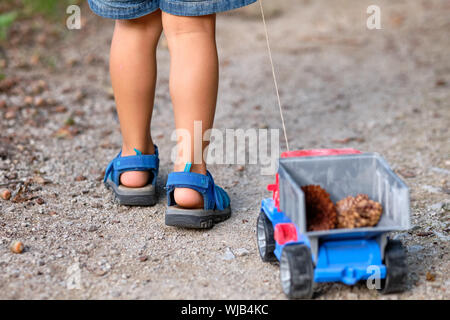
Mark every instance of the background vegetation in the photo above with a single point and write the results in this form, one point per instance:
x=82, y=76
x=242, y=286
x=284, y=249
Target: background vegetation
x=12, y=10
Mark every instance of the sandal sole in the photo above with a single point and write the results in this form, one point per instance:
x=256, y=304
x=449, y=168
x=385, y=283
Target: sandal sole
x=145, y=196
x=195, y=218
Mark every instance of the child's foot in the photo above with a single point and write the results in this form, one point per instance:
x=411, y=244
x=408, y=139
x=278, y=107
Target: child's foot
x=136, y=179
x=143, y=169
x=188, y=198
x=209, y=203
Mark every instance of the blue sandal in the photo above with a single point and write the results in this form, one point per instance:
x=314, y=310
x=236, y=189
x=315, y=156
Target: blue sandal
x=144, y=196
x=216, y=201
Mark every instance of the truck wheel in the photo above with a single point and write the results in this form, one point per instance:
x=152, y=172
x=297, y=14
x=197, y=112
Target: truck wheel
x=396, y=268
x=297, y=272
x=266, y=242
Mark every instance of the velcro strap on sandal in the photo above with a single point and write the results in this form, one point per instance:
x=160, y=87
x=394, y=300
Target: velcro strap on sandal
x=178, y=179
x=141, y=162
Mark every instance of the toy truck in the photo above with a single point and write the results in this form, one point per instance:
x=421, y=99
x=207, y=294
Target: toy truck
x=345, y=255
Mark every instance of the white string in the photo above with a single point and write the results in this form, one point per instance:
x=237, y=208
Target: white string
x=273, y=73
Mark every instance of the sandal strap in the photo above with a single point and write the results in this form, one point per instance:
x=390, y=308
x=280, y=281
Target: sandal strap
x=192, y=179
x=214, y=197
x=221, y=197
x=135, y=163
x=138, y=162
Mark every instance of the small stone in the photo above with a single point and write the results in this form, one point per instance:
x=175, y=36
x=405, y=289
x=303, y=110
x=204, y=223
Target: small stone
x=40, y=102
x=38, y=179
x=143, y=258
x=2, y=104
x=228, y=255
x=28, y=100
x=407, y=173
x=5, y=194
x=11, y=114
x=431, y=189
x=52, y=213
x=79, y=95
x=40, y=201
x=425, y=234
x=80, y=178
x=92, y=228
x=437, y=206
x=415, y=249
x=35, y=59
x=241, y=252
x=16, y=247
x=60, y=109
x=11, y=176
x=240, y=168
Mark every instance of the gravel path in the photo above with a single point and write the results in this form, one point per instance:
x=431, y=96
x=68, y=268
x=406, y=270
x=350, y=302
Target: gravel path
x=341, y=85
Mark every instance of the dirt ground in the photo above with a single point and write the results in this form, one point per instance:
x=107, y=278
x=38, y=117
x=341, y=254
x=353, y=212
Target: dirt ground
x=341, y=85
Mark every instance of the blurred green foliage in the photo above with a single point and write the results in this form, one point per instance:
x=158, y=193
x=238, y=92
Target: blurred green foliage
x=10, y=10
x=47, y=7
x=6, y=20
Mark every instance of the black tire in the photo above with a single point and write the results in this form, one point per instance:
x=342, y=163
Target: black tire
x=396, y=268
x=297, y=272
x=264, y=237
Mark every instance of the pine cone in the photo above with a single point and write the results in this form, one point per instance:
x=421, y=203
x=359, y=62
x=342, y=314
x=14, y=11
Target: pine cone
x=358, y=212
x=320, y=210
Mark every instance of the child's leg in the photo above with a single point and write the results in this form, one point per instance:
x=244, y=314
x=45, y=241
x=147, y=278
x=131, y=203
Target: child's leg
x=193, y=86
x=133, y=76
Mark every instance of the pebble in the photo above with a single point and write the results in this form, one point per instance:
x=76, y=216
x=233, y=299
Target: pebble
x=80, y=178
x=241, y=252
x=92, y=228
x=28, y=100
x=16, y=247
x=143, y=258
x=40, y=102
x=431, y=189
x=228, y=255
x=5, y=194
x=415, y=249
x=10, y=115
x=436, y=206
x=440, y=170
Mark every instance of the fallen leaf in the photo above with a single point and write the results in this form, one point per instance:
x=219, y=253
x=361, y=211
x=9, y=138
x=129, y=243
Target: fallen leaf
x=425, y=234
x=80, y=178
x=430, y=276
x=67, y=132
x=349, y=139
x=60, y=109
x=407, y=173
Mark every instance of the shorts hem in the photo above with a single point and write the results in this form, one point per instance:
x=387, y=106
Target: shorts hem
x=131, y=14
x=201, y=8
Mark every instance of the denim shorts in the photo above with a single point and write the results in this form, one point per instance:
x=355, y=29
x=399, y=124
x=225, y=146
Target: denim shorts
x=131, y=9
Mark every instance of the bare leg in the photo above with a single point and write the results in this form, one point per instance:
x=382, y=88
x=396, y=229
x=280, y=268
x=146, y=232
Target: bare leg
x=193, y=86
x=133, y=76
